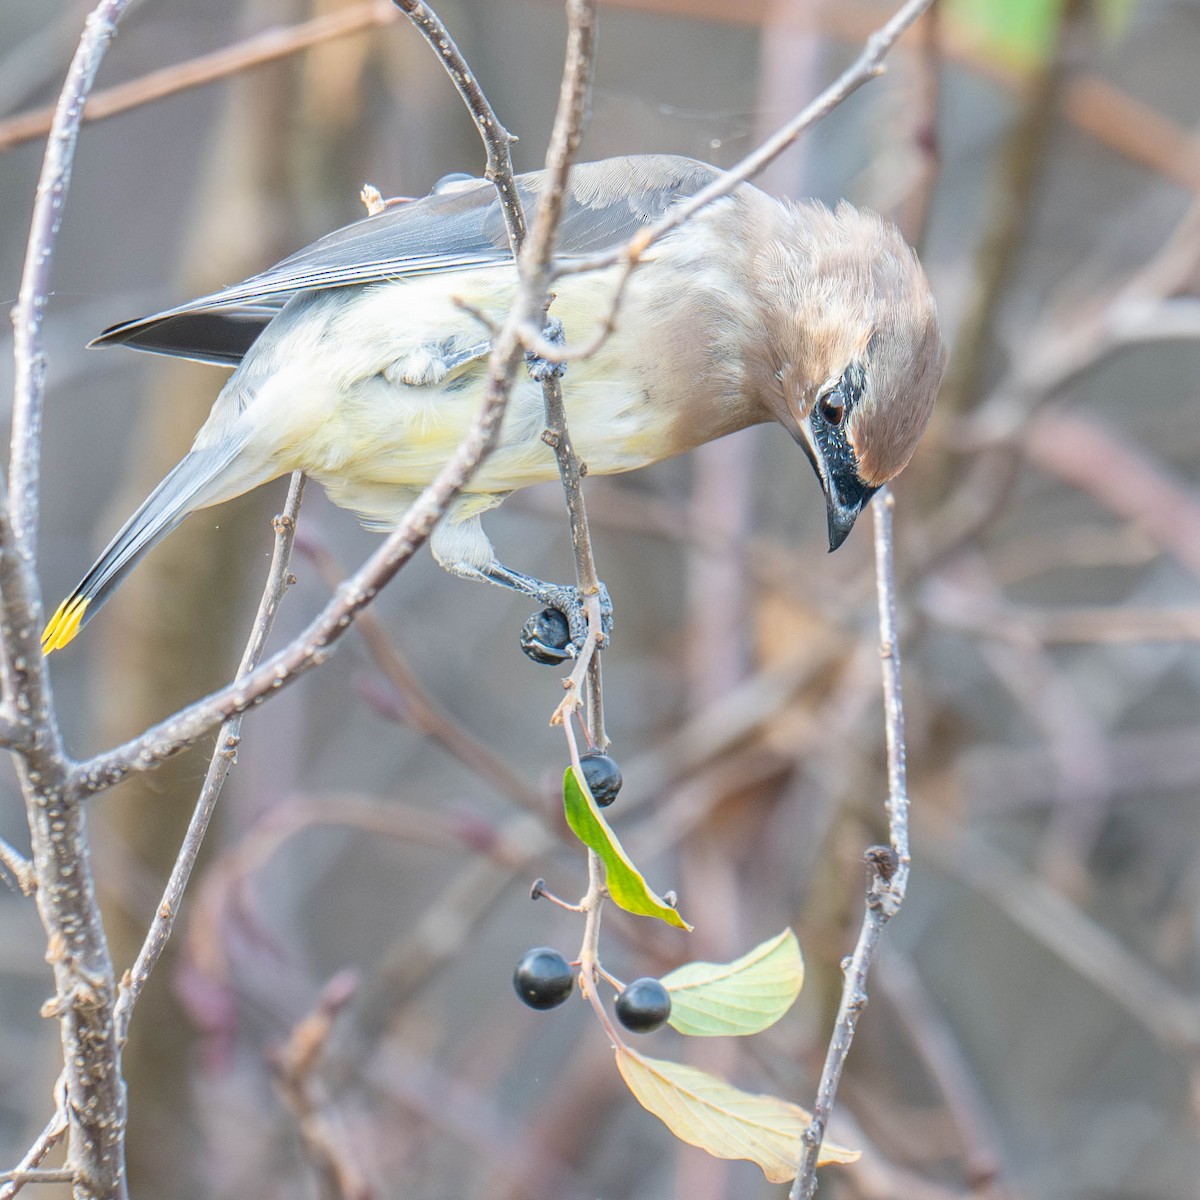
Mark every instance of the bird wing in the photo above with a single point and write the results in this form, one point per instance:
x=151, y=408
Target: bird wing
x=457, y=228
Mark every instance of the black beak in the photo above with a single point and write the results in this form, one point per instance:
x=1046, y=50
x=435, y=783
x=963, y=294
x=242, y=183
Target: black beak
x=845, y=493
x=841, y=519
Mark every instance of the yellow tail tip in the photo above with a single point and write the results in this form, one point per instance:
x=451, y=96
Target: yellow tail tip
x=64, y=625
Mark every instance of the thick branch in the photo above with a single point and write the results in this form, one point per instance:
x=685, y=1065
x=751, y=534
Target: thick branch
x=65, y=891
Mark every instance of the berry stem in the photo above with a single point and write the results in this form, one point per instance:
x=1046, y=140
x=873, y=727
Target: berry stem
x=589, y=958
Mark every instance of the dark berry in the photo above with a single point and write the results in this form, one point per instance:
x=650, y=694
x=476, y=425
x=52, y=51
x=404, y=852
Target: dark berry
x=546, y=636
x=603, y=776
x=644, y=1005
x=543, y=978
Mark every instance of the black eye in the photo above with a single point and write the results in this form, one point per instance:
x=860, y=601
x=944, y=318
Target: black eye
x=833, y=408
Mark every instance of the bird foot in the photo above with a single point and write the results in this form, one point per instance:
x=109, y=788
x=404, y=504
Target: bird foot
x=560, y=630
x=541, y=369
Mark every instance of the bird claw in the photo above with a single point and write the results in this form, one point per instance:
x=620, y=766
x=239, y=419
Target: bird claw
x=560, y=631
x=542, y=369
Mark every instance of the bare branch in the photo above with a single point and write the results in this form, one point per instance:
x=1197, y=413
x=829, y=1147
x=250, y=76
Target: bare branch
x=53, y=184
x=866, y=67
x=889, y=864
x=416, y=706
x=51, y=1135
x=266, y=47
x=223, y=757
x=65, y=892
x=169, y=737
x=893, y=698
x=11, y=859
x=38, y=1175
x=564, y=143
x=297, y=1065
x=496, y=139
x=312, y=647
x=534, y=260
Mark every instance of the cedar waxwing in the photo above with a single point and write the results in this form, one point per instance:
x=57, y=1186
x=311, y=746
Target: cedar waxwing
x=356, y=364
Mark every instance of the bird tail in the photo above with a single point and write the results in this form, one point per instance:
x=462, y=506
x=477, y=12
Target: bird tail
x=188, y=486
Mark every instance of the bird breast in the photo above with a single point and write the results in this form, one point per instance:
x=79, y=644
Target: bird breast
x=377, y=386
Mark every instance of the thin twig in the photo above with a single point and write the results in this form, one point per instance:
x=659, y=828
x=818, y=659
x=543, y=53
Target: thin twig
x=417, y=706
x=534, y=258
x=53, y=185
x=496, y=139
x=592, y=906
x=535, y=265
x=564, y=143
x=889, y=864
x=12, y=860
x=297, y=1065
x=53, y=1133
x=893, y=698
x=256, y=51
x=866, y=67
x=933, y=1038
x=223, y=757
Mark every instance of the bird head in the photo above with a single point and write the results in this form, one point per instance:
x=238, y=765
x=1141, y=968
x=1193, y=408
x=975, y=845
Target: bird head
x=857, y=349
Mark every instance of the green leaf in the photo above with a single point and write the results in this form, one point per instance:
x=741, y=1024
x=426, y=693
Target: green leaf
x=745, y=996
x=1023, y=32
x=625, y=884
x=705, y=1111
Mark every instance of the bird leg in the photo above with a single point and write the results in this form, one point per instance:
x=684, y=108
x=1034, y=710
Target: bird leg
x=563, y=598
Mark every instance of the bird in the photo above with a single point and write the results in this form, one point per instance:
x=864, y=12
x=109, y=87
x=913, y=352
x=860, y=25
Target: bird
x=361, y=359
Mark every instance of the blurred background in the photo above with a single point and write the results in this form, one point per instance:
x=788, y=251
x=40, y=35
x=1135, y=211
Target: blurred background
x=1034, y=1026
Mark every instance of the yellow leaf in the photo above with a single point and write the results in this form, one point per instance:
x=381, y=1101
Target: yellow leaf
x=705, y=1111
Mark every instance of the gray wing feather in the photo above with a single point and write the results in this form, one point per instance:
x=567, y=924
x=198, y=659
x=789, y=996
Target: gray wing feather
x=456, y=229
